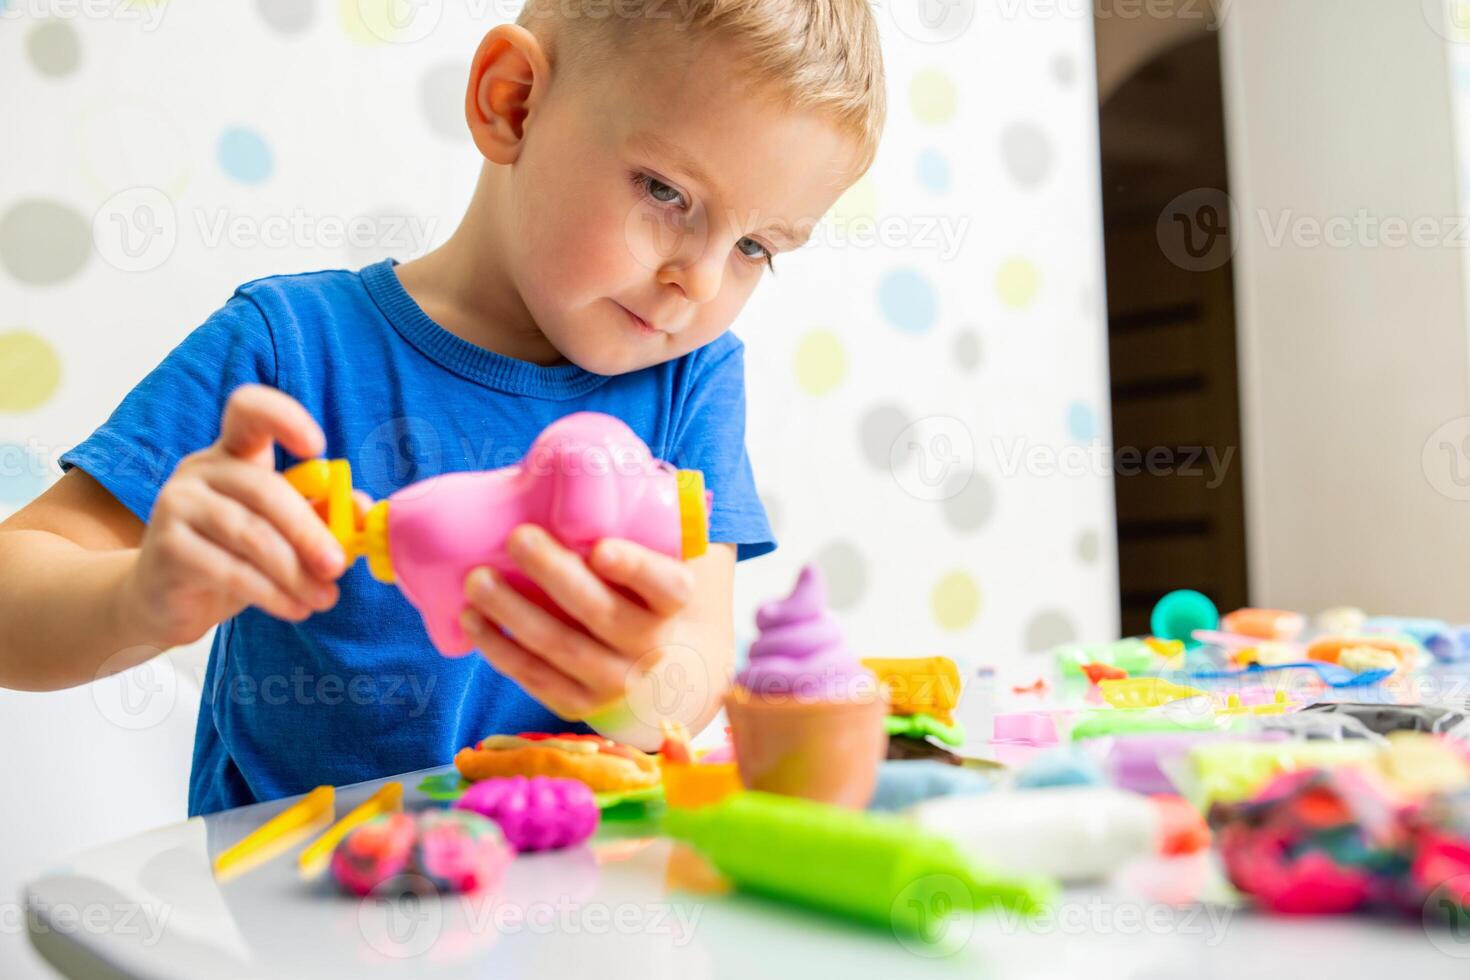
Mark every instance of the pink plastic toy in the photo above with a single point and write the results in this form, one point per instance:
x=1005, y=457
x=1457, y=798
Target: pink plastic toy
x=536, y=814
x=1033, y=728
x=586, y=477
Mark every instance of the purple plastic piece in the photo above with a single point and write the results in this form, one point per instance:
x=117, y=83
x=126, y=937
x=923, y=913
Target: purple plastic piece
x=535, y=814
x=1134, y=763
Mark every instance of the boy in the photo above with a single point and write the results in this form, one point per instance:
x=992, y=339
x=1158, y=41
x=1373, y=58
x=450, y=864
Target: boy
x=640, y=172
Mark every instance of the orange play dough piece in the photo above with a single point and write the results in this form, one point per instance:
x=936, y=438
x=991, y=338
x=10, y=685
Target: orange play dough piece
x=604, y=772
x=1329, y=648
x=1264, y=624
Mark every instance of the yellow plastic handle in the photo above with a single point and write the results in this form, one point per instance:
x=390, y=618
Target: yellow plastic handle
x=312, y=861
x=330, y=480
x=314, y=808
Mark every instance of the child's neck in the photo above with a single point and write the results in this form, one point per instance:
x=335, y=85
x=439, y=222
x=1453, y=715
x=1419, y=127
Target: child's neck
x=463, y=285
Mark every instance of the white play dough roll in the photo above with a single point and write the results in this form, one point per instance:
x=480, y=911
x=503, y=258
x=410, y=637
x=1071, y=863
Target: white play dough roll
x=1070, y=833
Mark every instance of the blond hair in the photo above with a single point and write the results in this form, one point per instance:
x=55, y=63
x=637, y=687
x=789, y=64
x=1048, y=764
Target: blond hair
x=816, y=55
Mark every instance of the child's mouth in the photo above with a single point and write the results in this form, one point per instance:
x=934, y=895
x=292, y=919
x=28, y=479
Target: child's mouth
x=640, y=324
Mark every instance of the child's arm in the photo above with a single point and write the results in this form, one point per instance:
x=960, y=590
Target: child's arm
x=86, y=588
x=687, y=630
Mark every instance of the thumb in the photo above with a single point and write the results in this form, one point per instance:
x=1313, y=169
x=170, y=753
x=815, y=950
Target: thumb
x=257, y=416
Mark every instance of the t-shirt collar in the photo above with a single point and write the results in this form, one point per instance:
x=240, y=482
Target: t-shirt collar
x=559, y=381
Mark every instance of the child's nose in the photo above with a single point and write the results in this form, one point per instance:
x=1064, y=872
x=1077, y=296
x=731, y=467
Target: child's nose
x=699, y=276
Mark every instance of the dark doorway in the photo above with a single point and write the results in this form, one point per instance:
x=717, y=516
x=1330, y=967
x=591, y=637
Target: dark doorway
x=1171, y=330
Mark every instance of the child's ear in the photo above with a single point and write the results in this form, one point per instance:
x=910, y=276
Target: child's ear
x=508, y=76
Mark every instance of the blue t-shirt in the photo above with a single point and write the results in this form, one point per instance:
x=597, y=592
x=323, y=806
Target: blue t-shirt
x=357, y=692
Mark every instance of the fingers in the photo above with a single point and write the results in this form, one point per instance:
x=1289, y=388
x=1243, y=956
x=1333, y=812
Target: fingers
x=295, y=520
x=256, y=416
x=564, y=695
x=600, y=670
x=188, y=549
x=254, y=540
x=664, y=583
x=574, y=587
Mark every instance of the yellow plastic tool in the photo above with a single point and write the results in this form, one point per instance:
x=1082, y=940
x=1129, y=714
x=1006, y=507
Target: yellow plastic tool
x=330, y=481
x=1164, y=648
x=313, y=809
x=1144, y=692
x=1276, y=706
x=314, y=859
x=693, y=514
x=918, y=685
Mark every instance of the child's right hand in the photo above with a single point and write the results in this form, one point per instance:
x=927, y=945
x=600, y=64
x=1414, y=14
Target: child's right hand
x=227, y=531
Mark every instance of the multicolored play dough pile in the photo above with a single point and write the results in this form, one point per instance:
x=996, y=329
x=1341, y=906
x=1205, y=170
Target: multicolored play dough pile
x=1343, y=840
x=451, y=851
x=1332, y=759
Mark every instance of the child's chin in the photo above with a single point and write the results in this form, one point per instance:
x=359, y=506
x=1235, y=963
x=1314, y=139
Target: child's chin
x=606, y=362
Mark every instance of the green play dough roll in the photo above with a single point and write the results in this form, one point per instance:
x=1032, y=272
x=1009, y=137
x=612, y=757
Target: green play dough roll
x=923, y=725
x=1130, y=654
x=880, y=870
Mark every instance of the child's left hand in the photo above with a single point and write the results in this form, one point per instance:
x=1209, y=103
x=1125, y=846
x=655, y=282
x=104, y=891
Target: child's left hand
x=573, y=673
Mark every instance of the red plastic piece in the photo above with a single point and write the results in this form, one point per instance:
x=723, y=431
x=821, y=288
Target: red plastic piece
x=603, y=744
x=1037, y=686
x=1103, y=672
x=1182, y=830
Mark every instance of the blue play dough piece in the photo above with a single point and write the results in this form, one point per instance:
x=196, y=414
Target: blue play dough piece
x=1069, y=766
x=903, y=783
x=1451, y=645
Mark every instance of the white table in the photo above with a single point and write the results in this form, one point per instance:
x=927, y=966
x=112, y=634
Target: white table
x=149, y=907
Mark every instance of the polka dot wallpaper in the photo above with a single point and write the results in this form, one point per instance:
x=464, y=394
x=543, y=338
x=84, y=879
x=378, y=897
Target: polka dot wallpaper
x=923, y=378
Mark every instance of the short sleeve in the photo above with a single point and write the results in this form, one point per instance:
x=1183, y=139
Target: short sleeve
x=175, y=410
x=710, y=436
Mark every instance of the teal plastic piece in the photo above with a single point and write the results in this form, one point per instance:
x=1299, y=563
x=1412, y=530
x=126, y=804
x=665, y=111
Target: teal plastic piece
x=922, y=725
x=1177, y=615
x=868, y=867
x=1130, y=654
x=1134, y=721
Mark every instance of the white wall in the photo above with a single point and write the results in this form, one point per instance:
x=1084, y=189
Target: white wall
x=1353, y=357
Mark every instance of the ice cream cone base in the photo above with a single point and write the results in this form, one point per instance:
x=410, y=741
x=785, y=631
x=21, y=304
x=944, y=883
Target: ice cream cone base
x=828, y=751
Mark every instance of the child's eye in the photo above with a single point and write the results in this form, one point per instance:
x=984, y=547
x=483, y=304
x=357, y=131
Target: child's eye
x=659, y=191
x=752, y=249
